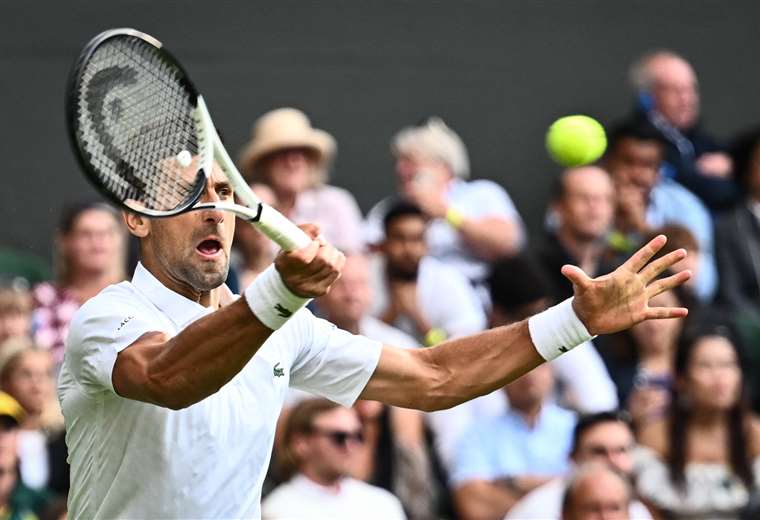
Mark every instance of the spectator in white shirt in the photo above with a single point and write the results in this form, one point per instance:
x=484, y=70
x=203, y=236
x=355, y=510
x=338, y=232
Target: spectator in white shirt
x=321, y=441
x=602, y=437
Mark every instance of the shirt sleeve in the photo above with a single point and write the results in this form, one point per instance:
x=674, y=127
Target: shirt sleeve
x=493, y=201
x=331, y=362
x=583, y=373
x=442, y=286
x=99, y=331
x=471, y=457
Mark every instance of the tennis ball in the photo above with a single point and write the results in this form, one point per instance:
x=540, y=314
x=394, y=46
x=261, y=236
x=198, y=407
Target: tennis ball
x=575, y=140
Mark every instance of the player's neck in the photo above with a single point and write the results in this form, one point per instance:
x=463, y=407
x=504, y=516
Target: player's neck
x=181, y=287
x=346, y=324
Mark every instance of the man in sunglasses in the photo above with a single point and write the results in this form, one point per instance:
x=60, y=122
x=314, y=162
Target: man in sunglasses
x=321, y=440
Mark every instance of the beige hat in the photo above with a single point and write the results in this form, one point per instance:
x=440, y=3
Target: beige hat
x=285, y=128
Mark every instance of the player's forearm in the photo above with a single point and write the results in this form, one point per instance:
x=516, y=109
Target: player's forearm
x=490, y=238
x=472, y=366
x=206, y=355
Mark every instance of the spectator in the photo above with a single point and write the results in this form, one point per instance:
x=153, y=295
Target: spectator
x=90, y=255
x=669, y=99
x=584, y=205
x=597, y=491
x=416, y=290
x=500, y=460
x=293, y=159
x=26, y=374
x=604, y=437
x=702, y=459
x=253, y=251
x=394, y=455
x=321, y=438
x=645, y=200
x=738, y=238
x=518, y=290
x=15, y=312
x=679, y=237
x=474, y=222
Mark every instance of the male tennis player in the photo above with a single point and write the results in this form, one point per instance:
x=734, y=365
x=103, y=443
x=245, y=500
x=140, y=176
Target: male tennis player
x=170, y=393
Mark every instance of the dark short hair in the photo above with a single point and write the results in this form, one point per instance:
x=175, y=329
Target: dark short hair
x=638, y=129
x=588, y=421
x=742, y=150
x=401, y=209
x=516, y=281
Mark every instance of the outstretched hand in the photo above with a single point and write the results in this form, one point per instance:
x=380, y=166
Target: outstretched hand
x=620, y=299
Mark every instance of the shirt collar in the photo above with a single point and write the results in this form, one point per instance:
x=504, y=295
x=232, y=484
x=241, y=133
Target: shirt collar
x=177, y=308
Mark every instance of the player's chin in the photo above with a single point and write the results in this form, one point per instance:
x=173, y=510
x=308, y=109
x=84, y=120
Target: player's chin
x=212, y=269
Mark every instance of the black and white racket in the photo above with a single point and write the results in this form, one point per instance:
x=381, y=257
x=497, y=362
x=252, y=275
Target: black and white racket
x=145, y=139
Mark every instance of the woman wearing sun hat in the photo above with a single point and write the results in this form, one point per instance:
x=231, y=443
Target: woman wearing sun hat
x=290, y=156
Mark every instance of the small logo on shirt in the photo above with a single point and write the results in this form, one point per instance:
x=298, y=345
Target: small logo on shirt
x=278, y=372
x=282, y=311
x=564, y=349
x=124, y=322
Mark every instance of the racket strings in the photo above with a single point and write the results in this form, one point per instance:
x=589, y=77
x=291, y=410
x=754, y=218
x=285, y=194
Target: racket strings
x=134, y=117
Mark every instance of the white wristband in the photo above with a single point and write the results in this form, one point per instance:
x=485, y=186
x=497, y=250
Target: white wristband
x=557, y=330
x=271, y=300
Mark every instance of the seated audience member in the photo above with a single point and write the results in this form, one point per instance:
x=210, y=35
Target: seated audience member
x=252, y=250
x=679, y=237
x=499, y=460
x=518, y=290
x=26, y=374
x=605, y=437
x=669, y=99
x=738, y=237
x=583, y=203
x=394, y=454
x=702, y=460
x=597, y=491
x=15, y=312
x=321, y=440
x=291, y=157
x=90, y=255
x=415, y=291
x=474, y=222
x=646, y=200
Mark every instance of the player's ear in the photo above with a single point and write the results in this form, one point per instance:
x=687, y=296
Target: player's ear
x=137, y=225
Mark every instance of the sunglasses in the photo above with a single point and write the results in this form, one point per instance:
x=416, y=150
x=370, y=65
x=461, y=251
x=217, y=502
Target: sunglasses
x=341, y=438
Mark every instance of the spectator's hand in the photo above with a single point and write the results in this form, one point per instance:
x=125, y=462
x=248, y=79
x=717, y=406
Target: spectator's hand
x=647, y=403
x=631, y=209
x=310, y=271
x=429, y=196
x=716, y=164
x=619, y=300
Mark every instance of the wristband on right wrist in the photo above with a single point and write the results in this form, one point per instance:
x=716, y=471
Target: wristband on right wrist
x=557, y=330
x=271, y=301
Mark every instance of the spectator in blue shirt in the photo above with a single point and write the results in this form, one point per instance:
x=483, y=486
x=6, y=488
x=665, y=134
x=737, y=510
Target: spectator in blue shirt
x=501, y=459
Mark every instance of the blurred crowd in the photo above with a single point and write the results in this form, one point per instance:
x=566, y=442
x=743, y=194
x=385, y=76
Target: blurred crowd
x=655, y=422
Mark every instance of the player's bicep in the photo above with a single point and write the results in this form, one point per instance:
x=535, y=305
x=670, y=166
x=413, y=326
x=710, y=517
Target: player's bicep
x=131, y=375
x=402, y=378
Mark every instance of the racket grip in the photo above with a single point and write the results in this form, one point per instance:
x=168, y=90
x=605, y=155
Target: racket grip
x=281, y=230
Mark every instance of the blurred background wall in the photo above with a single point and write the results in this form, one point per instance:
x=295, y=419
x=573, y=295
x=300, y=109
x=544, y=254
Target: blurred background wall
x=498, y=72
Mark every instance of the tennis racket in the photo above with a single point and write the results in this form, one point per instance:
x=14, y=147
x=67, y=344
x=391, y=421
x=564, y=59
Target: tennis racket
x=144, y=137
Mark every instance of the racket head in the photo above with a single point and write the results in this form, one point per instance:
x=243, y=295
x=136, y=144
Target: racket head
x=132, y=121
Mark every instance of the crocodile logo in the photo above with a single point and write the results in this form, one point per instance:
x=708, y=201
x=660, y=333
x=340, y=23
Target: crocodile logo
x=278, y=372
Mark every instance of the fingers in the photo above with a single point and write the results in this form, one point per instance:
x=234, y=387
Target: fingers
x=653, y=270
x=576, y=275
x=641, y=257
x=310, y=229
x=666, y=284
x=662, y=313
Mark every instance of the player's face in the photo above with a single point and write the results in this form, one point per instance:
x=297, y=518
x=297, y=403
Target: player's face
x=94, y=243
x=333, y=442
x=404, y=245
x=588, y=204
x=609, y=442
x=713, y=379
x=675, y=92
x=192, y=250
x=350, y=296
x=635, y=163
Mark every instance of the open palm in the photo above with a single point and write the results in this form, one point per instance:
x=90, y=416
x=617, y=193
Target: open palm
x=620, y=299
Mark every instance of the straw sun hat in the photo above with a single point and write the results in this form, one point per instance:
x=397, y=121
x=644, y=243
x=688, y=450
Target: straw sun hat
x=281, y=129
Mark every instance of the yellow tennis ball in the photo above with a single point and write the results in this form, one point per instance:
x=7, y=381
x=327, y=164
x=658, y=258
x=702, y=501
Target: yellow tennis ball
x=575, y=140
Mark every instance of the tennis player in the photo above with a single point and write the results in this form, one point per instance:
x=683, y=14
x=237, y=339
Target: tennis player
x=171, y=388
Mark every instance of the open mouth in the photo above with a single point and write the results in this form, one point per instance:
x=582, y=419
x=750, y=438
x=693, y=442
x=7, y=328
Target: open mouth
x=209, y=247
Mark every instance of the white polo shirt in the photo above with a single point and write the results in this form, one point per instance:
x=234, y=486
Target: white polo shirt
x=131, y=459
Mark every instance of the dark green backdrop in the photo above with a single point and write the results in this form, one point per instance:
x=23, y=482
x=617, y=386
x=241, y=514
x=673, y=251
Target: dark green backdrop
x=498, y=71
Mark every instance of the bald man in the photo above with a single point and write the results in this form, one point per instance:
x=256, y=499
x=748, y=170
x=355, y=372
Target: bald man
x=669, y=98
x=597, y=492
x=583, y=202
